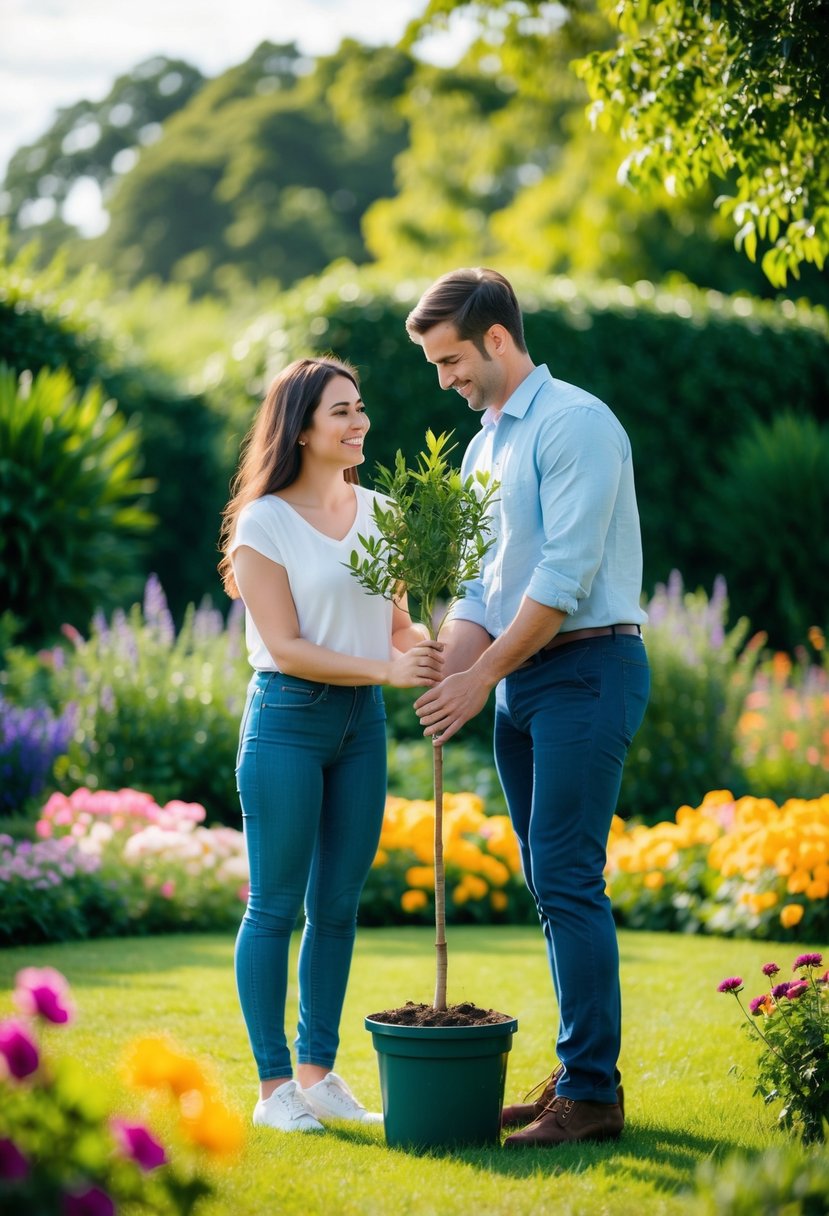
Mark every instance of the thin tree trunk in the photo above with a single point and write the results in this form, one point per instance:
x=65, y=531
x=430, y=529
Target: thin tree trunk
x=440, y=881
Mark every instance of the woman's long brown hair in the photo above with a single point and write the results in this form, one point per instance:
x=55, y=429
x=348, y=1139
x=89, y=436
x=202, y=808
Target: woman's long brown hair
x=271, y=458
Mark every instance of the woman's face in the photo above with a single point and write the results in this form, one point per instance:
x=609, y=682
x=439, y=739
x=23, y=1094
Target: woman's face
x=338, y=426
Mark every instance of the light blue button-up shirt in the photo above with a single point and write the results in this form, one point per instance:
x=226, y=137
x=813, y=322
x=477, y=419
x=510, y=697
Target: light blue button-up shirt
x=565, y=522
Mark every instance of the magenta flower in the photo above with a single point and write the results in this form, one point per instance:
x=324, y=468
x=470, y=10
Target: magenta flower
x=770, y=969
x=733, y=984
x=18, y=1049
x=43, y=992
x=138, y=1144
x=13, y=1165
x=781, y=990
x=807, y=960
x=757, y=1005
x=796, y=990
x=91, y=1202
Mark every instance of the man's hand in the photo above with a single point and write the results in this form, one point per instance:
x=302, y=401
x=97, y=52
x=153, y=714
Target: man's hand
x=444, y=709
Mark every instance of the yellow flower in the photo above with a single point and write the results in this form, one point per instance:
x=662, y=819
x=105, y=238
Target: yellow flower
x=655, y=880
x=420, y=876
x=209, y=1124
x=474, y=886
x=152, y=1063
x=791, y=915
x=498, y=900
x=413, y=901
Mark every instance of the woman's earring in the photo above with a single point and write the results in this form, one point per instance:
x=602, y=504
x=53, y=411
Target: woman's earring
x=302, y=443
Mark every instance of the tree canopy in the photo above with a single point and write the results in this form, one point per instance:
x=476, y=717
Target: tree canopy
x=707, y=89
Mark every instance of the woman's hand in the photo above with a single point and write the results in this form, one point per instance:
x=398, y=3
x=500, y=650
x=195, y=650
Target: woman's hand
x=421, y=666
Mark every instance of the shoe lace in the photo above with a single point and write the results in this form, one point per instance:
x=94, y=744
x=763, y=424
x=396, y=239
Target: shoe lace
x=294, y=1103
x=542, y=1085
x=342, y=1094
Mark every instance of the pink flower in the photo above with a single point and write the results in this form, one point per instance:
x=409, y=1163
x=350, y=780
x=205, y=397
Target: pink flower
x=18, y=1049
x=781, y=990
x=138, y=1144
x=13, y=1165
x=796, y=990
x=43, y=992
x=770, y=969
x=168, y=889
x=807, y=960
x=733, y=984
x=91, y=1202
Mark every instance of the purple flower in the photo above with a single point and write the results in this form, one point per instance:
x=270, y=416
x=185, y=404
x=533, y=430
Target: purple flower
x=13, y=1165
x=796, y=990
x=18, y=1049
x=138, y=1144
x=733, y=984
x=758, y=1005
x=91, y=1202
x=781, y=990
x=807, y=960
x=770, y=969
x=43, y=992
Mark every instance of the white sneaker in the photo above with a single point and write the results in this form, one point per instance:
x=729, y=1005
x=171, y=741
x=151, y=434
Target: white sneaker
x=331, y=1098
x=286, y=1110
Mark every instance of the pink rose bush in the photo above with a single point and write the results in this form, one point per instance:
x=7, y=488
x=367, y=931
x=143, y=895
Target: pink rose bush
x=63, y=1152
x=108, y=862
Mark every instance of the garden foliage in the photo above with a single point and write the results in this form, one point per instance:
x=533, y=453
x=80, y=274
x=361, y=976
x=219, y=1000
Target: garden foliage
x=31, y=740
x=790, y=1024
x=72, y=507
x=49, y=322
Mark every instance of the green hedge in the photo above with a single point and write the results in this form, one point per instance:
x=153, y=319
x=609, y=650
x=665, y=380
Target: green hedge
x=687, y=373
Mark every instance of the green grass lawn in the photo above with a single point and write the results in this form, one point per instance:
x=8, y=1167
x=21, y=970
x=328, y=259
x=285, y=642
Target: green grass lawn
x=681, y=1039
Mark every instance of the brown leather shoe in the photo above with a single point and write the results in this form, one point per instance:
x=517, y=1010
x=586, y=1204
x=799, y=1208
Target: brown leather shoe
x=526, y=1112
x=566, y=1120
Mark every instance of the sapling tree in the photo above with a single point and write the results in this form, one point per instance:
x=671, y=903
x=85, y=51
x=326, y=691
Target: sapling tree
x=434, y=532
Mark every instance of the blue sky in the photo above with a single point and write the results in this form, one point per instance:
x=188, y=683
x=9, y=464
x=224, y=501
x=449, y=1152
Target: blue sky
x=55, y=52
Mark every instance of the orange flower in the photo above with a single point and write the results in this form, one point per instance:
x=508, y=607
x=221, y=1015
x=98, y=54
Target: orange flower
x=791, y=915
x=152, y=1063
x=209, y=1124
x=413, y=901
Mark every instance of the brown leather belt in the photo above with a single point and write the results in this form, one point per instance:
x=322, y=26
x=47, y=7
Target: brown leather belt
x=579, y=635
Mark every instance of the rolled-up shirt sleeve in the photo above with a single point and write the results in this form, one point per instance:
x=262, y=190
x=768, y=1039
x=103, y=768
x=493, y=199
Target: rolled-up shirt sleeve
x=579, y=456
x=470, y=607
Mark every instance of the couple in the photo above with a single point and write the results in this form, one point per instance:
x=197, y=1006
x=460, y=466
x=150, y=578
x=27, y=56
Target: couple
x=553, y=624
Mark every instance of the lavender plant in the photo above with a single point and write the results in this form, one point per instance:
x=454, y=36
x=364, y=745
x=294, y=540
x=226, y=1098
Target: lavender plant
x=156, y=709
x=31, y=740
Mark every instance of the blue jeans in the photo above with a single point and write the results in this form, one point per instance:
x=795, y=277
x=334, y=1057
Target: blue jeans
x=563, y=726
x=311, y=774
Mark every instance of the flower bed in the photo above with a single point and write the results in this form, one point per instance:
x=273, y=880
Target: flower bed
x=732, y=866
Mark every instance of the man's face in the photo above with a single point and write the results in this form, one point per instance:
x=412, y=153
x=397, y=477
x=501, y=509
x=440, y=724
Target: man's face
x=479, y=378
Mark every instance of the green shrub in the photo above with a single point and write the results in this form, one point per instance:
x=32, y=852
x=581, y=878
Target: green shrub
x=71, y=505
x=768, y=524
x=788, y=1180
x=48, y=321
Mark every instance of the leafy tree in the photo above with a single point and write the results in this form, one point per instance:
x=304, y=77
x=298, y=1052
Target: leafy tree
x=265, y=175
x=97, y=140
x=702, y=89
x=733, y=88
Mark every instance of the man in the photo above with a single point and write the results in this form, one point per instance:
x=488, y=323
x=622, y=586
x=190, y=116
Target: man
x=554, y=624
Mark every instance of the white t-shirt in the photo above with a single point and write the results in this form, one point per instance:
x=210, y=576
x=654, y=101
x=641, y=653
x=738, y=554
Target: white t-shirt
x=333, y=609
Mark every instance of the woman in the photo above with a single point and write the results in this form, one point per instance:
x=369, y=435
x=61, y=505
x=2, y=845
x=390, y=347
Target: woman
x=311, y=768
